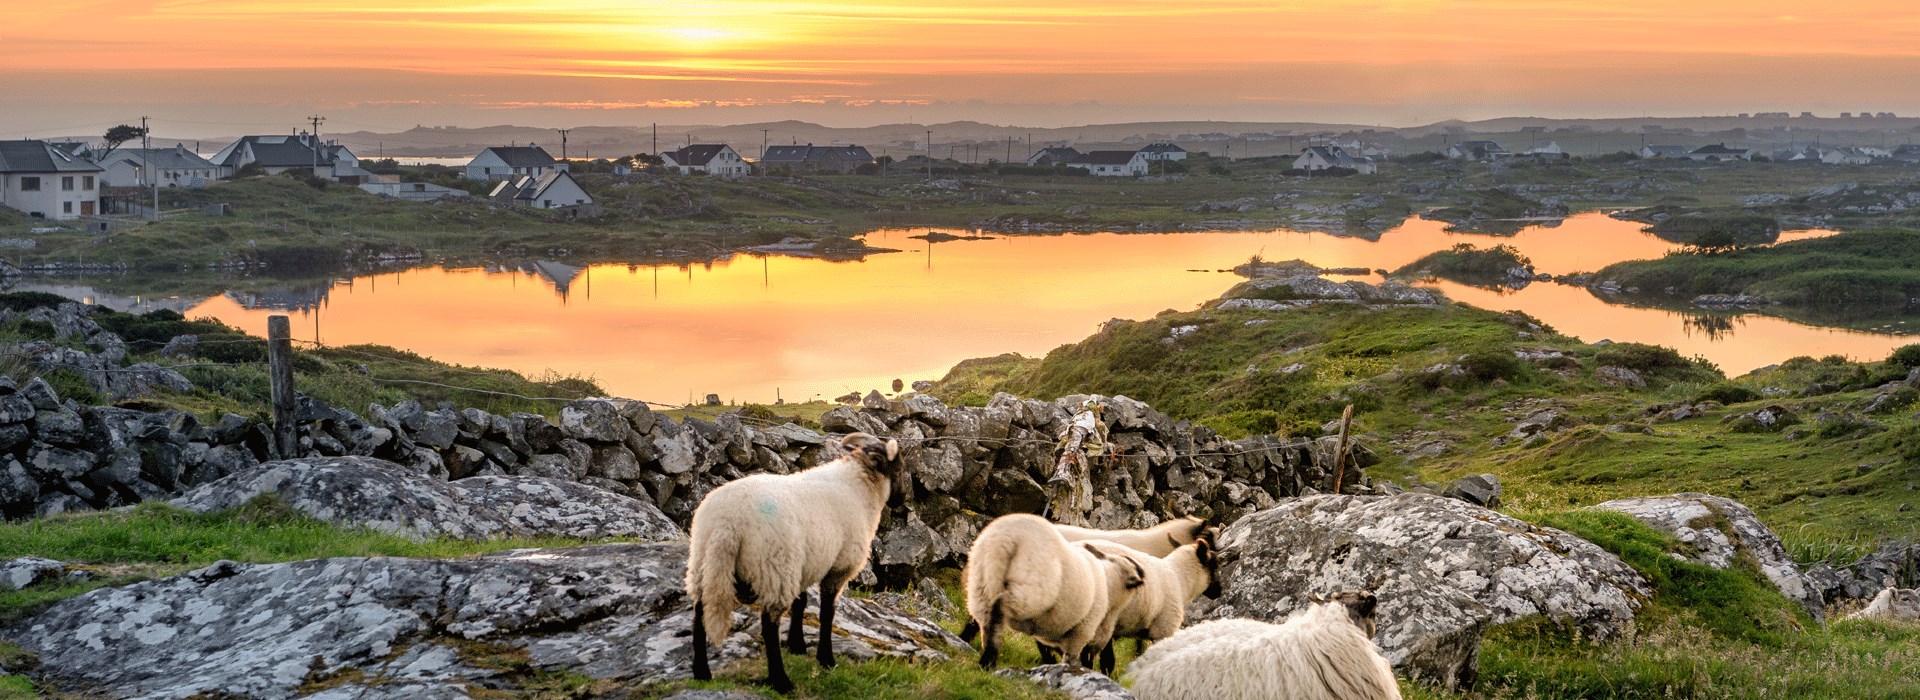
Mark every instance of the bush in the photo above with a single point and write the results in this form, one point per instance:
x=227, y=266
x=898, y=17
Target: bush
x=1907, y=356
x=1642, y=358
x=1727, y=394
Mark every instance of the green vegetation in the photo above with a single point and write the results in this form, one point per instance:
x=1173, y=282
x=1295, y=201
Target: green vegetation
x=1857, y=273
x=1466, y=264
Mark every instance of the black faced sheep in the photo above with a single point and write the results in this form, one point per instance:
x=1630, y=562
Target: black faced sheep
x=1172, y=582
x=1022, y=574
x=763, y=539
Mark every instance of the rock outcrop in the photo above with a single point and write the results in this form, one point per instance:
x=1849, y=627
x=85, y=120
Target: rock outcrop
x=1716, y=532
x=1444, y=571
x=389, y=627
x=1864, y=578
x=373, y=493
x=1072, y=681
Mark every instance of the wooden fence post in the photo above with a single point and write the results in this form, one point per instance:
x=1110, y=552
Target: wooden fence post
x=280, y=374
x=1340, y=450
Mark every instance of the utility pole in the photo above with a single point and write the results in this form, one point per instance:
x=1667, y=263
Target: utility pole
x=763, y=143
x=929, y=154
x=316, y=119
x=563, y=147
x=146, y=158
x=656, y=138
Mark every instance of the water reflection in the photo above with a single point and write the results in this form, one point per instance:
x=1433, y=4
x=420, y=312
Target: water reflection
x=751, y=327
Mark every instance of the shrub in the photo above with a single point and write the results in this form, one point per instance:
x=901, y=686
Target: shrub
x=1642, y=358
x=1727, y=394
x=1907, y=356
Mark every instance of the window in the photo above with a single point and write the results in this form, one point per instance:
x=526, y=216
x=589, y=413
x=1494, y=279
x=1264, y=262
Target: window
x=86, y=183
x=66, y=207
x=29, y=184
x=66, y=183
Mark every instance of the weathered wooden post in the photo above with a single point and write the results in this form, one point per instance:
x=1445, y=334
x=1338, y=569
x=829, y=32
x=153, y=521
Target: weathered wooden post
x=280, y=374
x=1340, y=450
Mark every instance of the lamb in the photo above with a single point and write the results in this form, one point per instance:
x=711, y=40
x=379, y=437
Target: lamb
x=1172, y=582
x=1157, y=541
x=763, y=539
x=1893, y=603
x=1022, y=574
x=1325, y=652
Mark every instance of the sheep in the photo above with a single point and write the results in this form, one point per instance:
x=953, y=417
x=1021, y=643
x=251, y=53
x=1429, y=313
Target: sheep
x=1022, y=574
x=1893, y=603
x=1158, y=541
x=763, y=539
x=1172, y=582
x=1325, y=652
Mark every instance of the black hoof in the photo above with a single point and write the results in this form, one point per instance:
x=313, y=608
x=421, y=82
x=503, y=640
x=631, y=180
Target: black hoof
x=780, y=685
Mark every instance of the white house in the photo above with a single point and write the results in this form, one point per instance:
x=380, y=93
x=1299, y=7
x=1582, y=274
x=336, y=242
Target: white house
x=171, y=167
x=413, y=191
x=1111, y=163
x=1551, y=148
x=1316, y=158
x=1477, y=150
x=553, y=190
x=716, y=159
x=1663, y=152
x=506, y=162
x=1165, y=150
x=278, y=154
x=1846, y=155
x=1719, y=152
x=46, y=182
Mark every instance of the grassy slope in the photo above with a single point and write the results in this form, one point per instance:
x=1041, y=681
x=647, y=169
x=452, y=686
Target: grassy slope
x=1469, y=265
x=1878, y=269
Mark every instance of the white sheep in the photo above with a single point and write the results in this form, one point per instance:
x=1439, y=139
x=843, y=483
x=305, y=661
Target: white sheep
x=1155, y=541
x=1022, y=574
x=1325, y=652
x=763, y=539
x=1172, y=582
x=1893, y=603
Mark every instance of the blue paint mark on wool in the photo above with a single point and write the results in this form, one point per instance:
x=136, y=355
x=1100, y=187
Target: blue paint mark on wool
x=769, y=508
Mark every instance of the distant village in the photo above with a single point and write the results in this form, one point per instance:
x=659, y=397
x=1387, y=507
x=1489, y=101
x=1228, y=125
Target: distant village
x=64, y=180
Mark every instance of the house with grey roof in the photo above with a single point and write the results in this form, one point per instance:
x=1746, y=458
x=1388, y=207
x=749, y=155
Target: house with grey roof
x=1053, y=155
x=1663, y=151
x=554, y=189
x=1317, y=158
x=46, y=182
x=1477, y=150
x=507, y=162
x=170, y=167
x=811, y=158
x=1111, y=163
x=716, y=159
x=300, y=153
x=1719, y=152
x=1166, y=150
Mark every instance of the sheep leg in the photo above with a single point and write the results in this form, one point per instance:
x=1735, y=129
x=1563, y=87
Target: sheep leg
x=1107, y=661
x=1048, y=655
x=970, y=630
x=990, y=642
x=700, y=670
x=828, y=596
x=797, y=641
x=770, y=638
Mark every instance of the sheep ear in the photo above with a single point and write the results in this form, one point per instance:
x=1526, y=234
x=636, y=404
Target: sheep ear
x=1315, y=598
x=1096, y=552
x=893, y=448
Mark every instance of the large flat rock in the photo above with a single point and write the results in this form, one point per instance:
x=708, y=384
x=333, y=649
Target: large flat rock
x=1717, y=532
x=396, y=627
x=1444, y=571
x=381, y=495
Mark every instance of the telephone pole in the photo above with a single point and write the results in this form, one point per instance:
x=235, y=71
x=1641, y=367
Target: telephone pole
x=929, y=154
x=146, y=158
x=563, y=147
x=316, y=119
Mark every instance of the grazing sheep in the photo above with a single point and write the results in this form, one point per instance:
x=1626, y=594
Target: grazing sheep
x=1157, y=541
x=763, y=539
x=1325, y=652
x=1892, y=604
x=1172, y=582
x=1024, y=575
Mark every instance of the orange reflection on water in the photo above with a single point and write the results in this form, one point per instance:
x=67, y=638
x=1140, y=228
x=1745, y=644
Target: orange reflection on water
x=751, y=328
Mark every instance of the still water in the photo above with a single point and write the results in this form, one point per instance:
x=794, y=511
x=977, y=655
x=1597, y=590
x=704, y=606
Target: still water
x=753, y=328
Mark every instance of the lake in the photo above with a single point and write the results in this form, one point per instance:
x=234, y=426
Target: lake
x=755, y=328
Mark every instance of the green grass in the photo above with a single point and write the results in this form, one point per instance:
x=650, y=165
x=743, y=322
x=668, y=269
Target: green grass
x=1469, y=265
x=1854, y=272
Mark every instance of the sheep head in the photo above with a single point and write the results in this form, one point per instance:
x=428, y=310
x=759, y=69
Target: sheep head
x=1360, y=608
x=881, y=457
x=1131, y=574
x=1208, y=552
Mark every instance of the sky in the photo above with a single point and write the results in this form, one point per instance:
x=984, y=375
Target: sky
x=224, y=66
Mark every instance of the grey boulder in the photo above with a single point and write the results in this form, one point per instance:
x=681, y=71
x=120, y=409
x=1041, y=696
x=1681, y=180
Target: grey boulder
x=381, y=495
x=1072, y=681
x=1444, y=571
x=398, y=627
x=1717, y=531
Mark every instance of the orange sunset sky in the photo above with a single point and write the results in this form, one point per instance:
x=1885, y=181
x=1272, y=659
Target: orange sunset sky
x=219, y=66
